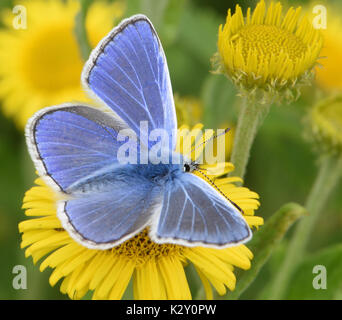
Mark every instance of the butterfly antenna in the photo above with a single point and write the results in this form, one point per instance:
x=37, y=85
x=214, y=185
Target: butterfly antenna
x=211, y=138
x=218, y=189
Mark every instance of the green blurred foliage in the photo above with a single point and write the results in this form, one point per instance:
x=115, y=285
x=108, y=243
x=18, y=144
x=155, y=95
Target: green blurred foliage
x=301, y=284
x=282, y=166
x=265, y=241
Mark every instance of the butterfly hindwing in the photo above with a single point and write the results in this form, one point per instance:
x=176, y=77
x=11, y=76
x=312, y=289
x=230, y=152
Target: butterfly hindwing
x=112, y=212
x=194, y=213
x=128, y=71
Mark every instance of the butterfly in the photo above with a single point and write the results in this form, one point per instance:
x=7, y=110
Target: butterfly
x=104, y=202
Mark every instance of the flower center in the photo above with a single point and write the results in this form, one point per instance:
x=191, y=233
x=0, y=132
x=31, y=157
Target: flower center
x=142, y=248
x=270, y=40
x=51, y=60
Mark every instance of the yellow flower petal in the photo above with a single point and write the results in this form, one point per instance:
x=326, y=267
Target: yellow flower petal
x=176, y=285
x=148, y=283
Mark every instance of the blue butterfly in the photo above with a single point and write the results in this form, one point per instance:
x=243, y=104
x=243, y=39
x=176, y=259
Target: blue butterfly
x=104, y=202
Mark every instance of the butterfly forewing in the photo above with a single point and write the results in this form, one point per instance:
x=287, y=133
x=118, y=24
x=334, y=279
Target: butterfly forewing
x=128, y=71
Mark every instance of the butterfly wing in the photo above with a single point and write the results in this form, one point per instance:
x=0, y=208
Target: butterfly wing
x=194, y=213
x=70, y=142
x=114, y=213
x=128, y=71
x=75, y=150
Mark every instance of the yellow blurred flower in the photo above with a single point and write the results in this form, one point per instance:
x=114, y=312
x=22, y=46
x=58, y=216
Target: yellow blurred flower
x=266, y=54
x=157, y=270
x=229, y=138
x=329, y=76
x=325, y=125
x=41, y=65
x=189, y=110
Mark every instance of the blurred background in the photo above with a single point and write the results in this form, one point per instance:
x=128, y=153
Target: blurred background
x=40, y=66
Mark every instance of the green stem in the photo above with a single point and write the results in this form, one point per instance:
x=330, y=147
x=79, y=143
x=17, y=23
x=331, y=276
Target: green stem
x=328, y=176
x=80, y=29
x=250, y=118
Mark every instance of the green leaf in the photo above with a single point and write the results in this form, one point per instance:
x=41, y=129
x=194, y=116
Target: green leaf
x=264, y=241
x=302, y=282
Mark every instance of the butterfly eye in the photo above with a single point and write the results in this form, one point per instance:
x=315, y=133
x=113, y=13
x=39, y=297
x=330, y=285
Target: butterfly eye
x=186, y=168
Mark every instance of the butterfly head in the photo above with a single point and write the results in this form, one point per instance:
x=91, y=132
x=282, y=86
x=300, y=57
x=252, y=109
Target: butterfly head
x=190, y=166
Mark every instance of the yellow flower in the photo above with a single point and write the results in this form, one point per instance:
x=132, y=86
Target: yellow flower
x=189, y=110
x=266, y=54
x=157, y=270
x=329, y=76
x=41, y=65
x=229, y=139
x=325, y=125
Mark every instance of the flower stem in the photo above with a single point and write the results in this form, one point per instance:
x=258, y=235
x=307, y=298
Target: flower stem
x=327, y=178
x=251, y=117
x=80, y=29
